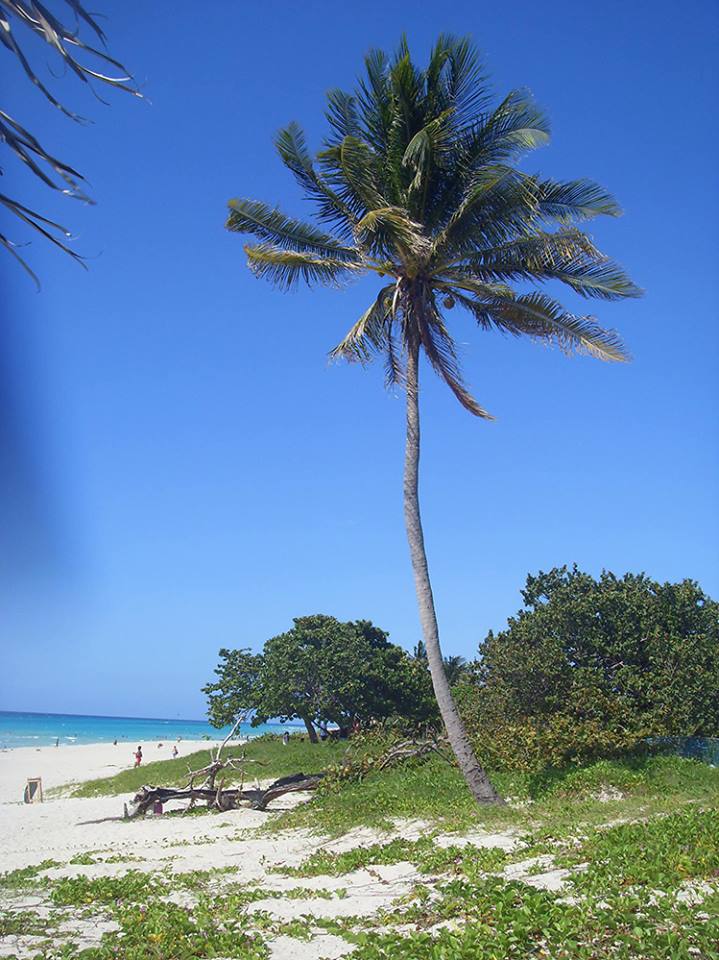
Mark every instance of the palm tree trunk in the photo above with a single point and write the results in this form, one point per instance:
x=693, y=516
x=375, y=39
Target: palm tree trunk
x=477, y=780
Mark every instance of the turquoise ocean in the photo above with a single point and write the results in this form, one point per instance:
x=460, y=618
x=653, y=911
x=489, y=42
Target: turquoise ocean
x=44, y=729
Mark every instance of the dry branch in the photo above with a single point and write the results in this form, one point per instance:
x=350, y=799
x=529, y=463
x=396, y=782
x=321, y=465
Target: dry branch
x=222, y=799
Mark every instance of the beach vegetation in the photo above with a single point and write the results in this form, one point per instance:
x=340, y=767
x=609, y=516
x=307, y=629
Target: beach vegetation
x=418, y=185
x=265, y=758
x=556, y=799
x=633, y=878
x=325, y=673
x=592, y=667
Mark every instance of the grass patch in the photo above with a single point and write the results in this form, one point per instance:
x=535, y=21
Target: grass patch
x=269, y=759
x=560, y=800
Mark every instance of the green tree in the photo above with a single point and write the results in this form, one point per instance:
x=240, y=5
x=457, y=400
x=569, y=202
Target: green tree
x=322, y=671
x=79, y=58
x=236, y=690
x=417, y=184
x=624, y=654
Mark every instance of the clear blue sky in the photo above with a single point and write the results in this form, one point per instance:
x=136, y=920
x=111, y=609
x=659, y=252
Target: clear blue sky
x=187, y=471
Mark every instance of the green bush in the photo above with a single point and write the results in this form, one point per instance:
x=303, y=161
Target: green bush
x=590, y=668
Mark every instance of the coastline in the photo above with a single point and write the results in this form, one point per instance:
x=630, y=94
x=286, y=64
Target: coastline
x=27, y=729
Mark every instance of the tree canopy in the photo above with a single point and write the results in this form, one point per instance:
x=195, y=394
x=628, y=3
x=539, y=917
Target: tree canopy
x=322, y=671
x=624, y=654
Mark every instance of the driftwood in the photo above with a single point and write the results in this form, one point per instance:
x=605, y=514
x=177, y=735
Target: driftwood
x=227, y=799
x=217, y=796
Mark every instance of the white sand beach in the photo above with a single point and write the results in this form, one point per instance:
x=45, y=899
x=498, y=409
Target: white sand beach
x=63, y=827
x=74, y=764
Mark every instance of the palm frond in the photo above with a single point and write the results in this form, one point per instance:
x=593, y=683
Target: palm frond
x=47, y=228
x=63, y=39
x=95, y=65
x=467, y=89
x=539, y=316
x=575, y=200
x=456, y=279
x=32, y=153
x=390, y=229
x=490, y=140
x=441, y=352
x=358, y=166
x=567, y=255
x=370, y=334
x=343, y=116
x=273, y=226
x=517, y=125
x=374, y=99
x=499, y=203
x=285, y=268
x=292, y=148
x=424, y=152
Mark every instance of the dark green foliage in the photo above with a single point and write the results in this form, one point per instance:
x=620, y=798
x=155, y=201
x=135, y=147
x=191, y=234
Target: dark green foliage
x=593, y=666
x=322, y=671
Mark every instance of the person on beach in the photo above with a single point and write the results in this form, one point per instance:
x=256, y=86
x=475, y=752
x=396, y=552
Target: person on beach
x=175, y=751
x=138, y=757
x=57, y=741
x=285, y=738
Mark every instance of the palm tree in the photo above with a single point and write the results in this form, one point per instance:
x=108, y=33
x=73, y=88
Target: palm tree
x=454, y=668
x=417, y=183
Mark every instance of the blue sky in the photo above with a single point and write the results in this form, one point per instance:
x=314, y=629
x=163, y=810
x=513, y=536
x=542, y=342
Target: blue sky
x=188, y=472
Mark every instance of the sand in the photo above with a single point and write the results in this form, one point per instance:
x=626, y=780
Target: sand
x=73, y=764
x=63, y=827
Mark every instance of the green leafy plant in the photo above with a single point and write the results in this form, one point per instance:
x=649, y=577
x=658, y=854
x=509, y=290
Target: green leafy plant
x=592, y=667
x=322, y=671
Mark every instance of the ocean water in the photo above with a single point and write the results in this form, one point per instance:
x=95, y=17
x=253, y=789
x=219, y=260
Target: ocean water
x=43, y=729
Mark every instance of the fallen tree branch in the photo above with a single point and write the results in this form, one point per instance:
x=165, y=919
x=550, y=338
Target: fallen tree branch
x=220, y=798
x=227, y=799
